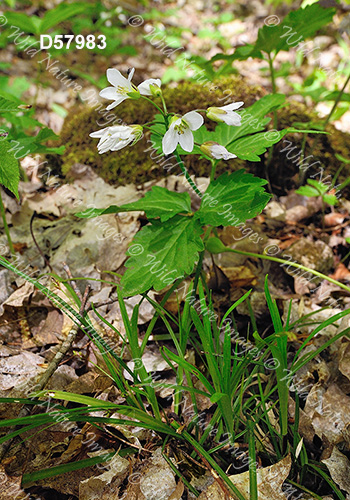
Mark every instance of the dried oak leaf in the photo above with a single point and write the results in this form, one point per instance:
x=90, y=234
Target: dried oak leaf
x=339, y=468
x=11, y=486
x=270, y=481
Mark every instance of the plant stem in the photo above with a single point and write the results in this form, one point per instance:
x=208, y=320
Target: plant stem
x=274, y=88
x=323, y=213
x=275, y=120
x=302, y=156
x=6, y=228
x=336, y=102
x=164, y=105
x=293, y=264
x=219, y=475
x=186, y=174
x=274, y=91
x=213, y=169
x=154, y=104
x=253, y=484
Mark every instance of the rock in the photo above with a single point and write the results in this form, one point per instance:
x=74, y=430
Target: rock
x=313, y=254
x=275, y=210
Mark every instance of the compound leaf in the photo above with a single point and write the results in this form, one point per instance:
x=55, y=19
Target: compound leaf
x=159, y=202
x=161, y=253
x=233, y=198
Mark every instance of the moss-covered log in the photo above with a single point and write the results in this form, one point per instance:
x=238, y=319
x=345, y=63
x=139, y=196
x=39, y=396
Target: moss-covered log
x=137, y=164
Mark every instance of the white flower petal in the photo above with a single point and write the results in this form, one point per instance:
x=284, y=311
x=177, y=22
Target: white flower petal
x=186, y=140
x=105, y=146
x=109, y=93
x=131, y=74
x=170, y=141
x=98, y=133
x=194, y=120
x=220, y=152
x=117, y=79
x=144, y=87
x=232, y=118
x=232, y=106
x=116, y=102
x=121, y=144
x=121, y=131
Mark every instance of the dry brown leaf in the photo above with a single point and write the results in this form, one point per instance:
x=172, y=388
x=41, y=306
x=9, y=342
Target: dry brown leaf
x=333, y=219
x=344, y=360
x=177, y=494
x=20, y=372
x=330, y=413
x=153, y=480
x=10, y=486
x=305, y=429
x=100, y=487
x=240, y=276
x=18, y=297
x=339, y=468
x=270, y=481
x=341, y=273
x=49, y=330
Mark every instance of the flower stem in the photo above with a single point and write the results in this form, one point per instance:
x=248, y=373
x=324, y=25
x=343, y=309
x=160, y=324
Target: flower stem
x=213, y=169
x=154, y=104
x=329, y=116
x=275, y=119
x=336, y=102
x=186, y=174
x=164, y=105
x=6, y=228
x=293, y=264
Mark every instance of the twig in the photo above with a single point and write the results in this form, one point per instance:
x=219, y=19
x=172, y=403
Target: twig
x=36, y=243
x=53, y=365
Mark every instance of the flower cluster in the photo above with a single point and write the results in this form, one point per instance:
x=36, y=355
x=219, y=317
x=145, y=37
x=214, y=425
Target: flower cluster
x=179, y=128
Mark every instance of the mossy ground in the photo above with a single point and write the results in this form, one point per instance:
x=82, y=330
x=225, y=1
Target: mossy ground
x=136, y=165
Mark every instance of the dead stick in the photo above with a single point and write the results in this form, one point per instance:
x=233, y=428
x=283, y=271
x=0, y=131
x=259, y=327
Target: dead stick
x=53, y=365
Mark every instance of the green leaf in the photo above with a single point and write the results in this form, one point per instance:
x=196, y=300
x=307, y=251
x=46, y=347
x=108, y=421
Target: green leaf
x=319, y=186
x=253, y=121
x=232, y=199
x=308, y=191
x=161, y=253
x=252, y=146
x=9, y=170
x=331, y=199
x=22, y=21
x=159, y=202
x=216, y=397
x=61, y=13
x=306, y=22
x=26, y=144
x=297, y=26
x=7, y=105
x=68, y=467
x=341, y=158
x=315, y=188
x=238, y=140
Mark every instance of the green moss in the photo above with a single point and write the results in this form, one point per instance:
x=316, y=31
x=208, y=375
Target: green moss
x=319, y=153
x=134, y=164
